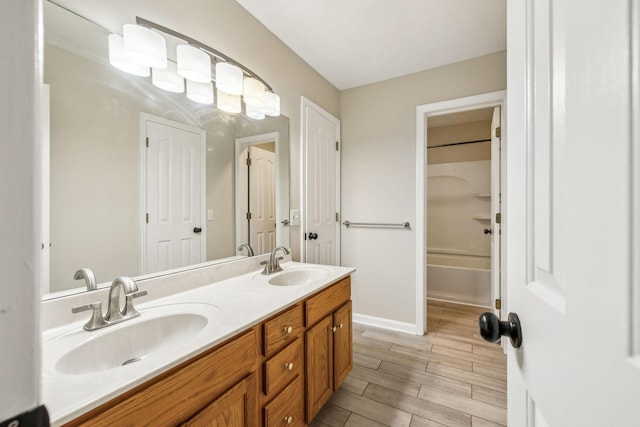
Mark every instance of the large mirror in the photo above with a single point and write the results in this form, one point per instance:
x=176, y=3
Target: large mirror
x=110, y=194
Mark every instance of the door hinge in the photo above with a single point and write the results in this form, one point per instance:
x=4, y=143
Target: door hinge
x=498, y=132
x=498, y=303
x=337, y=146
x=337, y=217
x=147, y=218
x=248, y=215
x=498, y=218
x=248, y=161
x=147, y=140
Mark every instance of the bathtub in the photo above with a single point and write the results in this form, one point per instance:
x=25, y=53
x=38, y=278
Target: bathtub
x=459, y=284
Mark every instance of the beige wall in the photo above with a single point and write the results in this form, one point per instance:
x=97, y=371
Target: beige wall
x=227, y=27
x=379, y=176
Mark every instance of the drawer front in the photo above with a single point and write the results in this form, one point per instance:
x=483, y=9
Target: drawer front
x=287, y=409
x=320, y=305
x=282, y=330
x=282, y=368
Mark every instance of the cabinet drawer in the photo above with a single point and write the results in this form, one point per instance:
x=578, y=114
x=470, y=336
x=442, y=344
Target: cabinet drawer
x=320, y=305
x=282, y=330
x=286, y=410
x=282, y=368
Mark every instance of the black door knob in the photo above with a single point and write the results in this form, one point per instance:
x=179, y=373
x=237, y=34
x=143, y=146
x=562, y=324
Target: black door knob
x=197, y=230
x=313, y=236
x=487, y=231
x=491, y=328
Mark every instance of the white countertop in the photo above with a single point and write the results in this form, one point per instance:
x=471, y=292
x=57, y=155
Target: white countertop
x=237, y=304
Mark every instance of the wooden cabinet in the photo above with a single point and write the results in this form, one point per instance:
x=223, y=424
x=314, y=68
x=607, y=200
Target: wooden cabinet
x=263, y=377
x=235, y=408
x=174, y=397
x=328, y=353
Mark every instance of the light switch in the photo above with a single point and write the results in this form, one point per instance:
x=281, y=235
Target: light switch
x=210, y=215
x=294, y=216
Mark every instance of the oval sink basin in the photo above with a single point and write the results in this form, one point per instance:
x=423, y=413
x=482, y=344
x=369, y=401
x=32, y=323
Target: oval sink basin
x=132, y=341
x=299, y=277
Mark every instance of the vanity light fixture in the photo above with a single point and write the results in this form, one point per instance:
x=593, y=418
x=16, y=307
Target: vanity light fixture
x=201, y=93
x=193, y=63
x=144, y=47
x=144, y=44
x=253, y=92
x=118, y=59
x=168, y=78
x=228, y=103
x=271, y=104
x=254, y=112
x=229, y=78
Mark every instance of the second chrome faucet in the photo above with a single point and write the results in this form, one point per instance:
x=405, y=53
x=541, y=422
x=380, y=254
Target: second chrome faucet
x=273, y=265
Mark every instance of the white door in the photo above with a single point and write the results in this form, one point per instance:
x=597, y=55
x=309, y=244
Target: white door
x=496, y=189
x=321, y=153
x=572, y=219
x=262, y=203
x=173, y=195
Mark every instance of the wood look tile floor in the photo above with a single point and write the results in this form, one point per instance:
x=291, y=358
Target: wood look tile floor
x=449, y=377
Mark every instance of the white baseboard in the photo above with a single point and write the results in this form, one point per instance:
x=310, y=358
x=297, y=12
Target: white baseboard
x=378, y=322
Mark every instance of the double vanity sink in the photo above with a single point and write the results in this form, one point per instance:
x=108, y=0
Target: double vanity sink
x=83, y=369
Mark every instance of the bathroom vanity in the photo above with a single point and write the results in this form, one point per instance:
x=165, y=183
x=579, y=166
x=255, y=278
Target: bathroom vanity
x=274, y=351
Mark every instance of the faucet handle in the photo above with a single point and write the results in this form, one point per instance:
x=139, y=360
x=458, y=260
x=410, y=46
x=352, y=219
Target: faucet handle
x=97, y=319
x=129, y=310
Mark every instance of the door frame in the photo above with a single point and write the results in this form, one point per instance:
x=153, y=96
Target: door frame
x=475, y=102
x=241, y=203
x=306, y=103
x=142, y=199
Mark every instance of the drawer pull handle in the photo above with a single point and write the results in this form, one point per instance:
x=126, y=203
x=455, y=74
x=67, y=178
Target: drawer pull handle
x=289, y=366
x=288, y=420
x=288, y=329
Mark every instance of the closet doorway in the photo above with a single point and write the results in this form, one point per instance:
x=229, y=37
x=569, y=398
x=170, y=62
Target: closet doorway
x=459, y=197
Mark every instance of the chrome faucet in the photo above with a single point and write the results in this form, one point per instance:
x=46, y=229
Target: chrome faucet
x=273, y=265
x=115, y=314
x=90, y=278
x=248, y=247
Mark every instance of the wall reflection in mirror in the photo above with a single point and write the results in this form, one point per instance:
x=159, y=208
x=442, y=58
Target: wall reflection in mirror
x=193, y=180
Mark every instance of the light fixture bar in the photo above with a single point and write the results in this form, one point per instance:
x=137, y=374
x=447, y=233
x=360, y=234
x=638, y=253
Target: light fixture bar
x=208, y=49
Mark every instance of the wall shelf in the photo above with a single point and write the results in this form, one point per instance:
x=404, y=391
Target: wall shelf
x=483, y=195
x=481, y=218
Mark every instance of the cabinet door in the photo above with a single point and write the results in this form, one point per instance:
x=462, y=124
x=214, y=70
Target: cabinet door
x=236, y=408
x=319, y=366
x=342, y=345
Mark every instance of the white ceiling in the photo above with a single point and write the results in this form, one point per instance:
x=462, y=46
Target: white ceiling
x=357, y=42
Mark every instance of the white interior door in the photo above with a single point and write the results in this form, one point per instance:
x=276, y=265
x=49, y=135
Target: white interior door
x=262, y=203
x=572, y=212
x=321, y=172
x=173, y=195
x=496, y=190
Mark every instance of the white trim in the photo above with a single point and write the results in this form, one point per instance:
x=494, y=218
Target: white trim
x=379, y=322
x=305, y=102
x=142, y=199
x=475, y=102
x=45, y=165
x=241, y=206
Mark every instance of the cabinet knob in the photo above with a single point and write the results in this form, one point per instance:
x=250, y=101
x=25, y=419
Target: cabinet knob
x=288, y=329
x=335, y=328
x=289, y=366
x=288, y=420
x=340, y=326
